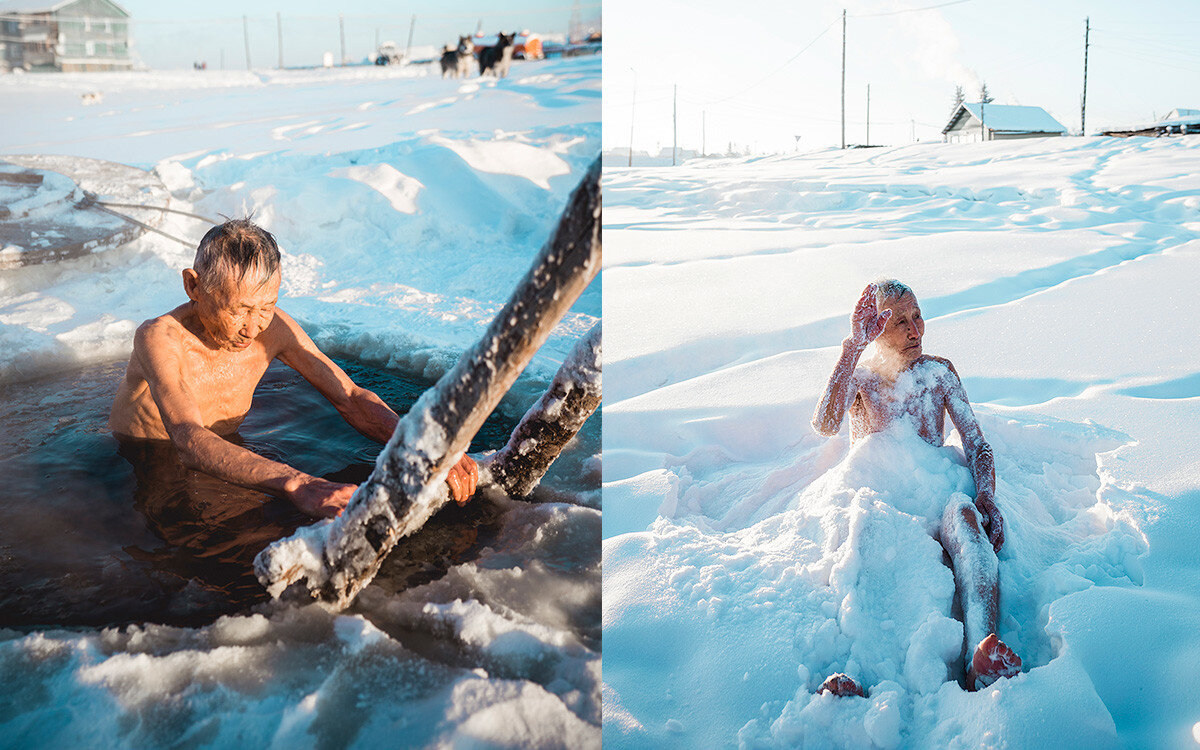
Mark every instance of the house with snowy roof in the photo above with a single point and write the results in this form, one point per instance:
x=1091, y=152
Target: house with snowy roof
x=1179, y=121
x=996, y=122
x=64, y=35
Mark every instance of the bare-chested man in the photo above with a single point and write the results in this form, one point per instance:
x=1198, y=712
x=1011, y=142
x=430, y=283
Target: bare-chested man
x=972, y=534
x=194, y=370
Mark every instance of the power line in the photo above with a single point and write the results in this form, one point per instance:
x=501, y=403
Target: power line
x=909, y=10
x=781, y=67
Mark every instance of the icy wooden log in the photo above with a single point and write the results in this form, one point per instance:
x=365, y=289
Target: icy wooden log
x=331, y=561
x=551, y=423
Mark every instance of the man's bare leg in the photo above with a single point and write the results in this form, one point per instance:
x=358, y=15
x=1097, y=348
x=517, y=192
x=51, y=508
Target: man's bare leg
x=976, y=578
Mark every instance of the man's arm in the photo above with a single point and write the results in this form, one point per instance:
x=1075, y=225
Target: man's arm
x=158, y=350
x=979, y=456
x=362, y=409
x=840, y=391
x=866, y=323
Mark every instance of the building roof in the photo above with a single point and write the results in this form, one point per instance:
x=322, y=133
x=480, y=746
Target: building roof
x=1179, y=115
x=11, y=7
x=1008, y=118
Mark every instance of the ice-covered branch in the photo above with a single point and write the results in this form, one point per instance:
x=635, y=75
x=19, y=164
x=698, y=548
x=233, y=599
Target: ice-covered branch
x=552, y=422
x=333, y=560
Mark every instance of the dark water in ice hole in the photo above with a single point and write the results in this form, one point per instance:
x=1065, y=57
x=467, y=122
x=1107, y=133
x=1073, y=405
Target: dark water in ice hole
x=85, y=540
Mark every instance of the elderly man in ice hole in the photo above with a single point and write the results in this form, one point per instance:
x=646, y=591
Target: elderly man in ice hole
x=194, y=370
x=972, y=534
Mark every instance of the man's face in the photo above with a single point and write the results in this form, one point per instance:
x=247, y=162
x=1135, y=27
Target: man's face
x=235, y=312
x=902, y=334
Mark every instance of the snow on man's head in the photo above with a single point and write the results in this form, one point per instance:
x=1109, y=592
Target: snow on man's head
x=889, y=289
x=238, y=250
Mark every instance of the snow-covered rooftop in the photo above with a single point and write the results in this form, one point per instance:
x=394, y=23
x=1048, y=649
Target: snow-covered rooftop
x=43, y=6
x=1010, y=118
x=1179, y=116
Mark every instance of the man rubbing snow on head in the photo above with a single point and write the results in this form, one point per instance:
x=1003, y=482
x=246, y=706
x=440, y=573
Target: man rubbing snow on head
x=194, y=370
x=903, y=384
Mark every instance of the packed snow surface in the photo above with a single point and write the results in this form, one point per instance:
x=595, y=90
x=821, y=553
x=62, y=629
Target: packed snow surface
x=407, y=207
x=746, y=558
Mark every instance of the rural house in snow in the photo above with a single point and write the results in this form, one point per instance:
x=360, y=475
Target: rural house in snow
x=64, y=35
x=997, y=122
x=1179, y=122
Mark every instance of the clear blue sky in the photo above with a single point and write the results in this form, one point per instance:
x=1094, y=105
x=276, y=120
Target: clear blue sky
x=735, y=62
x=174, y=34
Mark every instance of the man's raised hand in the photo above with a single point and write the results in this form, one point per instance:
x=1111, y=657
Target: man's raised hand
x=866, y=323
x=463, y=478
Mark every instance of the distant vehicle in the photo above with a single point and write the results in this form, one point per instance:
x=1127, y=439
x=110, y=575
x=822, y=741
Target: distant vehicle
x=526, y=46
x=388, y=54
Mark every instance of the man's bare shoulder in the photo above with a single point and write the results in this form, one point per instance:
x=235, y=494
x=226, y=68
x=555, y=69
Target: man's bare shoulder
x=166, y=330
x=286, y=335
x=284, y=322
x=939, y=363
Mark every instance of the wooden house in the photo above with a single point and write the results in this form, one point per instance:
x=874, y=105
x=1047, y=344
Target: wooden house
x=997, y=122
x=66, y=35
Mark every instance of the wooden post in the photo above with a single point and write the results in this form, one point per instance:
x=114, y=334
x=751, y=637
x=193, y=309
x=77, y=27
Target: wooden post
x=674, y=122
x=331, y=561
x=843, y=77
x=279, y=28
x=246, y=39
x=551, y=423
x=342, y=35
x=412, y=24
x=632, y=109
x=1087, y=30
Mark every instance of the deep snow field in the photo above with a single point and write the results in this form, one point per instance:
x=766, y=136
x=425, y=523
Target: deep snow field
x=407, y=208
x=746, y=559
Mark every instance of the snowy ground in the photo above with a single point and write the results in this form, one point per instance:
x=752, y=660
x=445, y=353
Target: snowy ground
x=745, y=559
x=407, y=207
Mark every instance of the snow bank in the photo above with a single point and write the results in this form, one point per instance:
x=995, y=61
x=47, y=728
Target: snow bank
x=746, y=559
x=399, y=244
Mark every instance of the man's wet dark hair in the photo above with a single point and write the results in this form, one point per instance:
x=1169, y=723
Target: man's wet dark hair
x=236, y=250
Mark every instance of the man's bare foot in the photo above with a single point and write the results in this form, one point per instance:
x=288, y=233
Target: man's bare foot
x=841, y=685
x=991, y=661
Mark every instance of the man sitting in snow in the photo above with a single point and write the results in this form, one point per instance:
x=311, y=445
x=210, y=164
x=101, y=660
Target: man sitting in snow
x=194, y=370
x=972, y=534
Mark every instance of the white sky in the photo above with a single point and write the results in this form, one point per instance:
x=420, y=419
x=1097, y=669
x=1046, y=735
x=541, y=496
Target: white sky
x=732, y=61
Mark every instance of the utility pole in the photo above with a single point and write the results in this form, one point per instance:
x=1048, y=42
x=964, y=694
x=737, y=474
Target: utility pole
x=674, y=121
x=575, y=26
x=246, y=36
x=913, y=122
x=412, y=25
x=632, y=107
x=342, y=34
x=279, y=26
x=704, y=132
x=1087, y=28
x=868, y=114
x=843, y=77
